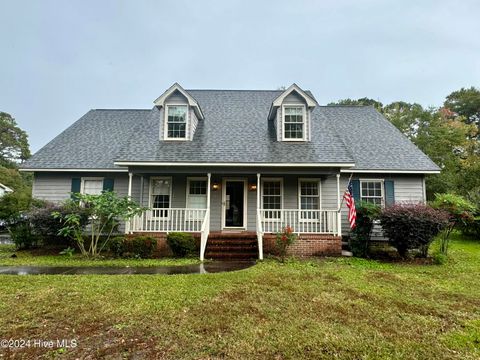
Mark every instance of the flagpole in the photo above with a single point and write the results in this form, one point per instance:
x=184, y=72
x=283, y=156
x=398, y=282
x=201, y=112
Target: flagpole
x=343, y=198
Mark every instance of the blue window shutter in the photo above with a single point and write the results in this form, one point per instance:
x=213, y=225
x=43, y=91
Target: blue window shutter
x=108, y=184
x=389, y=192
x=76, y=182
x=356, y=190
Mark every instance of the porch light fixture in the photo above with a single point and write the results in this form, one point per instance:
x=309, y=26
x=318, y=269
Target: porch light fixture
x=215, y=186
x=252, y=187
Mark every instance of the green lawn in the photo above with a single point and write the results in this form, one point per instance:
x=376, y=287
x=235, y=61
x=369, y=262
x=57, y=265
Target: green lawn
x=331, y=308
x=26, y=257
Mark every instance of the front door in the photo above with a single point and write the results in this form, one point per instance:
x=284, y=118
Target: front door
x=234, y=203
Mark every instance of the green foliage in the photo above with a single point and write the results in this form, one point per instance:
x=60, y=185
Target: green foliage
x=13, y=141
x=181, y=244
x=68, y=251
x=47, y=227
x=412, y=226
x=140, y=247
x=105, y=212
x=22, y=234
x=12, y=204
x=284, y=239
x=466, y=103
x=439, y=258
x=360, y=239
x=461, y=213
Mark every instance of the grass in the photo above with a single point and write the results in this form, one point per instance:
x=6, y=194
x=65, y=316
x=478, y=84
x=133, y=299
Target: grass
x=32, y=257
x=344, y=308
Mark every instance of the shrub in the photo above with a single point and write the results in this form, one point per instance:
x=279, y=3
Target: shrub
x=284, y=240
x=472, y=227
x=22, y=233
x=412, y=226
x=182, y=244
x=138, y=246
x=360, y=239
x=47, y=227
x=460, y=211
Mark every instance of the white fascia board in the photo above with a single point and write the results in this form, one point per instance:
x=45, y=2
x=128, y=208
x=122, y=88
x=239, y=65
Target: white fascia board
x=146, y=163
x=294, y=87
x=71, y=170
x=386, y=171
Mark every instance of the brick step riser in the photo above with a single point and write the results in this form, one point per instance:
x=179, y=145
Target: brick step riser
x=231, y=243
x=232, y=256
x=236, y=236
x=232, y=248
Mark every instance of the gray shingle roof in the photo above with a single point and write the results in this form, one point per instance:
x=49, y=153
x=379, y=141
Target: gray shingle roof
x=235, y=129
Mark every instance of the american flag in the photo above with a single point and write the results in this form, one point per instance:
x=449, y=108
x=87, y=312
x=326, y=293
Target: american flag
x=350, y=201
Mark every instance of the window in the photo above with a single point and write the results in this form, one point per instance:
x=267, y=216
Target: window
x=372, y=191
x=196, y=195
x=309, y=198
x=160, y=196
x=272, y=198
x=176, y=121
x=293, y=122
x=92, y=186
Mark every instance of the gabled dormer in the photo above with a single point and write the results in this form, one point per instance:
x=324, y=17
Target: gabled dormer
x=291, y=112
x=179, y=114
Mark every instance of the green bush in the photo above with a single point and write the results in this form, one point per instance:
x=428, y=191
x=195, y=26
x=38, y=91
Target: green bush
x=412, y=226
x=461, y=213
x=182, y=244
x=47, y=227
x=359, y=241
x=138, y=246
x=22, y=234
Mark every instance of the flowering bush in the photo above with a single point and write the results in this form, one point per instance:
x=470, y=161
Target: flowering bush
x=285, y=238
x=412, y=226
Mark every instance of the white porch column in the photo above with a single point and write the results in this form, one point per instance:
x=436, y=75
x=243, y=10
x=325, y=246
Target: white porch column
x=259, y=233
x=339, y=204
x=129, y=194
x=206, y=228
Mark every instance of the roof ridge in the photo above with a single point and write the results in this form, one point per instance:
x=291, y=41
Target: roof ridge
x=235, y=90
x=121, y=109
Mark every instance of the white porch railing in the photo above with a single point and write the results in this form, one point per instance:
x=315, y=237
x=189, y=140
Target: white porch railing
x=169, y=220
x=302, y=221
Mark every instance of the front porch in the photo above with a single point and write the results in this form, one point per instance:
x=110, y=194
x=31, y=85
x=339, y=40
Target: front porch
x=262, y=204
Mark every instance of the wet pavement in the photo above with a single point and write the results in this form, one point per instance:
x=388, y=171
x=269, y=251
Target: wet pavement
x=207, y=268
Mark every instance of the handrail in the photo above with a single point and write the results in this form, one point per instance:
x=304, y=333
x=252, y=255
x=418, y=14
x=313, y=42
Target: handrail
x=259, y=234
x=205, y=231
x=301, y=221
x=168, y=220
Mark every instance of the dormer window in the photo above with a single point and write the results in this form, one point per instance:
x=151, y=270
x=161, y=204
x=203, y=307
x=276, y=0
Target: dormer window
x=177, y=121
x=293, y=123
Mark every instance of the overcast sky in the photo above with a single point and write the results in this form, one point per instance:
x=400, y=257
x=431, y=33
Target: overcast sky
x=58, y=59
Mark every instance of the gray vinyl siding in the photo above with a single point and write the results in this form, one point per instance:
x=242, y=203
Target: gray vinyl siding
x=408, y=188
x=56, y=187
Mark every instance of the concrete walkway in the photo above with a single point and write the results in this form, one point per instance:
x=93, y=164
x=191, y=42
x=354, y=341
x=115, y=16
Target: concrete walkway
x=211, y=267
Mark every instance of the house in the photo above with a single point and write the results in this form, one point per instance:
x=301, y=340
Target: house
x=4, y=190
x=236, y=166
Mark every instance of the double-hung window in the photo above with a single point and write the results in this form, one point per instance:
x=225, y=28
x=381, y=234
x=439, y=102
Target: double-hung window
x=372, y=191
x=92, y=186
x=309, y=193
x=196, y=196
x=272, y=198
x=160, y=196
x=294, y=123
x=177, y=121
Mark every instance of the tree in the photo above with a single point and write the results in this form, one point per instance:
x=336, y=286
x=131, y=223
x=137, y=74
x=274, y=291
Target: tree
x=407, y=117
x=105, y=212
x=13, y=141
x=12, y=204
x=466, y=103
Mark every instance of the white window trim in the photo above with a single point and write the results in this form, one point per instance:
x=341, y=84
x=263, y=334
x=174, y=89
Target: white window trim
x=281, y=196
x=187, y=190
x=83, y=179
x=300, y=180
x=382, y=189
x=165, y=123
x=304, y=117
x=150, y=188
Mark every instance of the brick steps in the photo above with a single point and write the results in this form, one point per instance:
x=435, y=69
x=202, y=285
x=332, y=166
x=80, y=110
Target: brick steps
x=232, y=246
